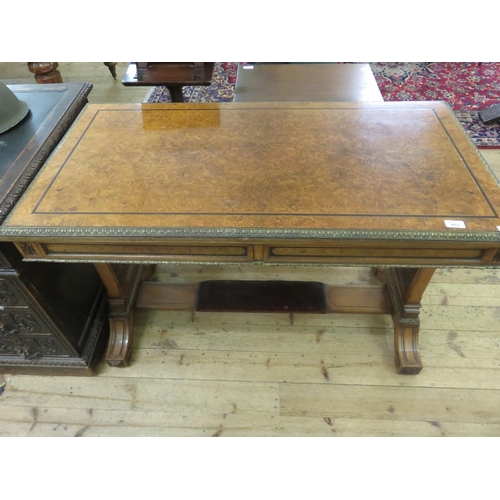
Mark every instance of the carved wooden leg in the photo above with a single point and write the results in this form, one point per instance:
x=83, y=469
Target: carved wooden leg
x=112, y=68
x=120, y=339
x=122, y=283
x=406, y=345
x=406, y=288
x=45, y=72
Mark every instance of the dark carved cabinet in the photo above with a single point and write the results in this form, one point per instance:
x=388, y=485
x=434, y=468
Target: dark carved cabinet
x=52, y=316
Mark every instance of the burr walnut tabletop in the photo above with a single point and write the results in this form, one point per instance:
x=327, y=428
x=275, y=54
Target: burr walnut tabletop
x=333, y=183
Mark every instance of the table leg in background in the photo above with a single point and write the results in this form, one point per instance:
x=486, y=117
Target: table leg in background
x=175, y=92
x=112, y=68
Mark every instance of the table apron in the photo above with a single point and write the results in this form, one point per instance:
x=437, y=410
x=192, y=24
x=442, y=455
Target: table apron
x=338, y=253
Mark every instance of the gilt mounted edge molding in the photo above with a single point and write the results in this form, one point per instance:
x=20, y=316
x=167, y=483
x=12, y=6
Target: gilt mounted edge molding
x=125, y=232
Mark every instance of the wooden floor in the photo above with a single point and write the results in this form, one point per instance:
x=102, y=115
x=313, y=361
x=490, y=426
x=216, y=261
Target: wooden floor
x=214, y=374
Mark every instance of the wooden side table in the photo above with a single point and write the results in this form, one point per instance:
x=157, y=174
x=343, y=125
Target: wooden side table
x=174, y=76
x=51, y=316
x=306, y=83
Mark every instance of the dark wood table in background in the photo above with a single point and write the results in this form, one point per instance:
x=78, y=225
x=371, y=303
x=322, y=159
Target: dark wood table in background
x=393, y=185
x=306, y=83
x=174, y=76
x=51, y=316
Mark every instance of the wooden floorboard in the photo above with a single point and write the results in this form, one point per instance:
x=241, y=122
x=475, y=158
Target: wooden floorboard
x=56, y=422
x=232, y=374
x=391, y=403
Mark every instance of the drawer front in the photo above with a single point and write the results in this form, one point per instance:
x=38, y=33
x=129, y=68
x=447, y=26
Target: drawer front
x=175, y=253
x=368, y=255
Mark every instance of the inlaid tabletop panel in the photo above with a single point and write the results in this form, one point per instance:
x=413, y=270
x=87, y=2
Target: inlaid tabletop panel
x=390, y=166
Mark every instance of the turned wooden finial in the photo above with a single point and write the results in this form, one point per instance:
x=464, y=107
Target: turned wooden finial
x=45, y=72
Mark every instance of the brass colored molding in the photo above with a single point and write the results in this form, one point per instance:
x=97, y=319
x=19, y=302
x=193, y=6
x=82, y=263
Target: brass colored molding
x=281, y=234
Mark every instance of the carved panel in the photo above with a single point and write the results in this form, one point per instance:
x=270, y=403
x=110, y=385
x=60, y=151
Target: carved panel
x=30, y=348
x=27, y=249
x=15, y=323
x=9, y=296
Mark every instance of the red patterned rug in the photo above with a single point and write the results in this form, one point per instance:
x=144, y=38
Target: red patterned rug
x=467, y=87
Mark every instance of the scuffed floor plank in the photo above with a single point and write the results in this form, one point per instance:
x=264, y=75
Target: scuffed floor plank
x=171, y=396
x=450, y=369
x=57, y=422
x=391, y=403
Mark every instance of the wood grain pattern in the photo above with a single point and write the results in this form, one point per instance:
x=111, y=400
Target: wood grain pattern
x=168, y=297
x=18, y=421
x=435, y=404
x=265, y=166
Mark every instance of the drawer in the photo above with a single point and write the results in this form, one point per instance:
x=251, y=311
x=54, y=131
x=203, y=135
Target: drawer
x=158, y=253
x=374, y=255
